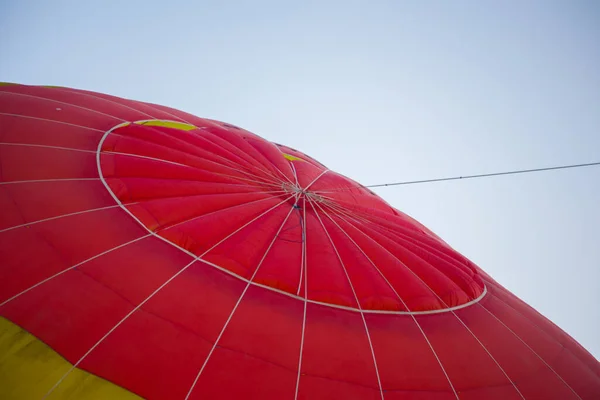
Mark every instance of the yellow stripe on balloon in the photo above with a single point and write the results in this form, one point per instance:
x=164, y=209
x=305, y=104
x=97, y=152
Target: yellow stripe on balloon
x=168, y=124
x=29, y=369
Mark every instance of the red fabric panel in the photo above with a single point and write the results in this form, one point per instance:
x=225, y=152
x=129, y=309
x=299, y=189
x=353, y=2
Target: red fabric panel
x=80, y=99
x=174, y=114
x=416, y=286
x=70, y=313
x=526, y=324
x=131, y=190
x=239, y=141
x=277, y=270
x=370, y=286
x=336, y=348
x=121, y=166
x=158, y=213
x=406, y=362
x=305, y=157
x=199, y=191
x=60, y=244
x=134, y=271
x=262, y=345
x=48, y=133
x=149, y=111
x=200, y=234
x=199, y=300
x=16, y=164
x=503, y=345
x=14, y=103
x=274, y=156
x=41, y=200
x=412, y=395
x=470, y=368
x=149, y=355
x=307, y=173
x=320, y=388
x=243, y=252
x=326, y=279
x=235, y=375
x=146, y=148
x=10, y=215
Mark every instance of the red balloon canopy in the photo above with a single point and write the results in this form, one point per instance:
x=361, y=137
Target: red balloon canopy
x=148, y=252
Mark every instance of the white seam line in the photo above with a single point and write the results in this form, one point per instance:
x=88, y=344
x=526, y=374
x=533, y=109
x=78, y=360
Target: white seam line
x=72, y=267
x=295, y=174
x=304, y=258
x=355, y=297
x=250, y=161
x=533, y=351
x=552, y=338
x=46, y=147
x=102, y=179
x=236, y=305
x=51, y=120
x=79, y=92
x=210, y=213
x=416, y=241
x=403, y=303
x=62, y=102
x=447, y=309
x=301, y=352
x=50, y=180
x=469, y=330
x=270, y=162
x=264, y=183
x=316, y=179
x=303, y=247
x=62, y=216
x=155, y=107
x=290, y=163
x=217, y=156
x=152, y=295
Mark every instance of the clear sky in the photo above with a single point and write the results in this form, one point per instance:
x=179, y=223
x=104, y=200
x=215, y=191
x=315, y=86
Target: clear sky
x=380, y=91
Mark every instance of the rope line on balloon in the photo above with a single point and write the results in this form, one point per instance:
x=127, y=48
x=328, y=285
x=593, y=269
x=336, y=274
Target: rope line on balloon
x=398, y=295
x=261, y=182
x=464, y=177
x=243, y=156
x=226, y=324
x=466, y=327
x=114, y=117
x=225, y=162
x=305, y=300
x=80, y=93
x=51, y=120
x=266, y=182
x=395, y=235
x=60, y=102
x=49, y=180
x=195, y=259
x=362, y=315
x=529, y=347
x=552, y=338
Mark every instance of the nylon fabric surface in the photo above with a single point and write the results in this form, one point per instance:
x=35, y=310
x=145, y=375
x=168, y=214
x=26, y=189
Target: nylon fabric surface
x=185, y=258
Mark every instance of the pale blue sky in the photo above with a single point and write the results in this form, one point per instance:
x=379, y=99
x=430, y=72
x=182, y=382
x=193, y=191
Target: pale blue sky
x=380, y=91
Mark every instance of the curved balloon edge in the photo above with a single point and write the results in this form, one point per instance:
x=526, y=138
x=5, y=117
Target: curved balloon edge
x=196, y=258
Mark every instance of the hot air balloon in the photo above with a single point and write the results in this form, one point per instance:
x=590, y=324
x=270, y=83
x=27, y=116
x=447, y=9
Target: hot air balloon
x=149, y=253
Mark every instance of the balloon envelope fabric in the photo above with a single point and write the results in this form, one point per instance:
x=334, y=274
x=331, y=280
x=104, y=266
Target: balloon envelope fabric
x=149, y=253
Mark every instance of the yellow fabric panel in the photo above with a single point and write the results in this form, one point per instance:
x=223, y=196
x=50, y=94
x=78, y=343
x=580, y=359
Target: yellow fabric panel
x=29, y=368
x=169, y=124
x=291, y=157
